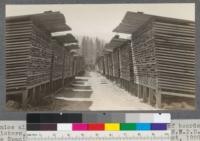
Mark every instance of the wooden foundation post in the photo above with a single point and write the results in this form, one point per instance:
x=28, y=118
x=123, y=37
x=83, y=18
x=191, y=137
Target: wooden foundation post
x=144, y=93
x=158, y=99
x=40, y=92
x=33, y=97
x=138, y=90
x=150, y=98
x=25, y=98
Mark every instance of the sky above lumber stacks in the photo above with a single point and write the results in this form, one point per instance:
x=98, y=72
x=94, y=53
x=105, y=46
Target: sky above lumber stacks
x=99, y=20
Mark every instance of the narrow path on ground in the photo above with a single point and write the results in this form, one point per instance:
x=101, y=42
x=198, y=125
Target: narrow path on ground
x=96, y=93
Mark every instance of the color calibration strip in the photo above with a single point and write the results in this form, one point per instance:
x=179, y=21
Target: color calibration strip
x=97, y=127
x=98, y=118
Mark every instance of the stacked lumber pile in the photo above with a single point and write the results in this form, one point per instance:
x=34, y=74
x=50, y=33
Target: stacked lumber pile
x=100, y=64
x=78, y=65
x=41, y=60
x=175, y=55
x=67, y=73
x=17, y=53
x=81, y=64
x=121, y=61
x=106, y=64
x=125, y=61
x=72, y=64
x=163, y=54
x=116, y=64
x=28, y=50
x=57, y=60
x=110, y=64
x=117, y=57
x=164, y=51
x=28, y=55
x=143, y=54
x=69, y=43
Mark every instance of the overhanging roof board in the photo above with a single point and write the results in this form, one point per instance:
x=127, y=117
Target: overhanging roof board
x=116, y=42
x=71, y=39
x=72, y=46
x=50, y=21
x=63, y=39
x=78, y=56
x=132, y=21
x=73, y=52
x=107, y=50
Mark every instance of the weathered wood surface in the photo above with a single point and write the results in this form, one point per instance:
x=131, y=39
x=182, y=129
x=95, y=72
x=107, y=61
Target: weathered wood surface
x=125, y=61
x=67, y=68
x=78, y=65
x=110, y=64
x=165, y=56
x=57, y=60
x=100, y=65
x=175, y=55
x=28, y=55
x=116, y=63
x=143, y=52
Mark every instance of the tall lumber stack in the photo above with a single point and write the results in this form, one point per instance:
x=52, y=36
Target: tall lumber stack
x=175, y=55
x=68, y=43
x=79, y=65
x=71, y=62
x=163, y=55
x=18, y=46
x=116, y=64
x=143, y=52
x=110, y=65
x=121, y=61
x=106, y=53
x=40, y=57
x=57, y=60
x=57, y=65
x=67, y=61
x=100, y=65
x=125, y=65
x=125, y=61
x=28, y=52
x=108, y=61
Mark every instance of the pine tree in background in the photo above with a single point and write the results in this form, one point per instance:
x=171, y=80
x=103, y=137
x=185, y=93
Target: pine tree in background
x=90, y=49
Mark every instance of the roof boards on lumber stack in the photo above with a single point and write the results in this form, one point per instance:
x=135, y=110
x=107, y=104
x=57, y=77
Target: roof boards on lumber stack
x=116, y=64
x=78, y=65
x=122, y=60
x=67, y=73
x=143, y=52
x=163, y=52
x=110, y=64
x=57, y=60
x=68, y=42
x=106, y=64
x=28, y=53
x=125, y=61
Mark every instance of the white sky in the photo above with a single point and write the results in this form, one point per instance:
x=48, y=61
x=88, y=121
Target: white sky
x=99, y=20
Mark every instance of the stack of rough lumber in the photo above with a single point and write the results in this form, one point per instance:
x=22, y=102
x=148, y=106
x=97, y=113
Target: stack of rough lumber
x=175, y=56
x=143, y=54
x=125, y=61
x=28, y=55
x=57, y=60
